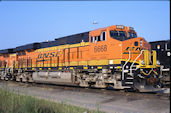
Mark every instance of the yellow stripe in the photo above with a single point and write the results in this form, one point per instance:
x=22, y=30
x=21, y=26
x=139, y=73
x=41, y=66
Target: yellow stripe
x=148, y=66
x=71, y=68
x=84, y=63
x=99, y=67
x=74, y=63
x=14, y=54
x=66, y=64
x=118, y=67
x=62, y=47
x=85, y=67
x=98, y=62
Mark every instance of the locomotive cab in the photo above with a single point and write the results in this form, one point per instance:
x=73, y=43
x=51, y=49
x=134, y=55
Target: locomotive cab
x=129, y=54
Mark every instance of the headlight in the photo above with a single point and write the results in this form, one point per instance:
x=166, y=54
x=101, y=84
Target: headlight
x=142, y=62
x=119, y=26
x=140, y=42
x=158, y=63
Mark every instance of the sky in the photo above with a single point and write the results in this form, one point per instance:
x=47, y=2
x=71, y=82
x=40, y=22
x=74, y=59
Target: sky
x=24, y=22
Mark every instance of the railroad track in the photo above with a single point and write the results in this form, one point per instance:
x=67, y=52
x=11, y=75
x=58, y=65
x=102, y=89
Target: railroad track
x=93, y=90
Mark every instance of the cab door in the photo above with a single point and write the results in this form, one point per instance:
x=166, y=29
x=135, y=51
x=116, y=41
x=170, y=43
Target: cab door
x=98, y=48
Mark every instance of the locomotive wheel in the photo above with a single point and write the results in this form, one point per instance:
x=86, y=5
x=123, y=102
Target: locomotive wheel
x=82, y=82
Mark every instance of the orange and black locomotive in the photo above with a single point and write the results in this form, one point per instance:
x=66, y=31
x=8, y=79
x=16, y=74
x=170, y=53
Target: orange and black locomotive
x=113, y=56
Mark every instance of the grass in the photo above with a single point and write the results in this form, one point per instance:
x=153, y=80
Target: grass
x=15, y=103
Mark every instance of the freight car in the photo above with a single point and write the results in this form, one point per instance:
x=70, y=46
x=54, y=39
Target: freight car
x=107, y=57
x=162, y=48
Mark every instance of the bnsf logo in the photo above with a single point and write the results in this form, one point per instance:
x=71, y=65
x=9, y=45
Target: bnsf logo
x=47, y=55
x=136, y=49
x=133, y=49
x=101, y=48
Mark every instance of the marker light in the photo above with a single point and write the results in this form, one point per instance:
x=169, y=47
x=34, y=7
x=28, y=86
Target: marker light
x=140, y=42
x=158, y=46
x=142, y=62
x=158, y=63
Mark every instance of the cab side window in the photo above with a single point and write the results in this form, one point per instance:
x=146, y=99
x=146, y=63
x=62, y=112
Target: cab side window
x=95, y=40
x=103, y=36
x=98, y=37
x=92, y=39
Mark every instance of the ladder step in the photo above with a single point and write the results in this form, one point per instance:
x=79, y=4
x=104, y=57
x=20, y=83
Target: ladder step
x=130, y=74
x=129, y=78
x=128, y=82
x=126, y=71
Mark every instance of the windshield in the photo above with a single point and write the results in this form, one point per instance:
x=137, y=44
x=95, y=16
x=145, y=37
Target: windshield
x=119, y=35
x=132, y=35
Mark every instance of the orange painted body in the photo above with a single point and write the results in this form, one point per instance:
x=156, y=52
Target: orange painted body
x=109, y=49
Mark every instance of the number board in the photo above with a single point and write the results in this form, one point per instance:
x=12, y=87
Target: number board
x=101, y=48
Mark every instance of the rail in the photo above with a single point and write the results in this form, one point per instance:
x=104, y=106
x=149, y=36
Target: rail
x=125, y=65
x=135, y=61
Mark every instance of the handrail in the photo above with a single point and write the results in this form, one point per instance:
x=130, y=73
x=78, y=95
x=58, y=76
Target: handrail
x=125, y=65
x=134, y=62
x=6, y=68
